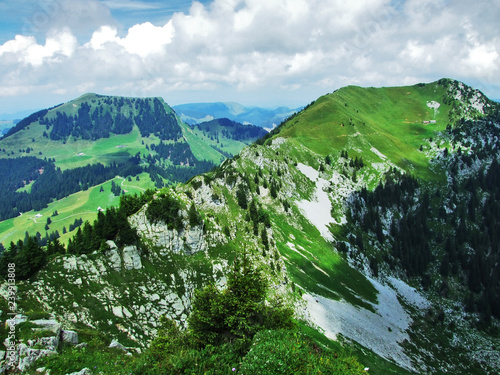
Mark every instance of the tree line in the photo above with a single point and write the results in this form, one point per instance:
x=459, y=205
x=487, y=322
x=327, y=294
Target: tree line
x=53, y=183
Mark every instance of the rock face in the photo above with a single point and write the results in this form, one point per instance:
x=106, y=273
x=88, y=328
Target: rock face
x=30, y=351
x=131, y=258
x=189, y=240
x=164, y=289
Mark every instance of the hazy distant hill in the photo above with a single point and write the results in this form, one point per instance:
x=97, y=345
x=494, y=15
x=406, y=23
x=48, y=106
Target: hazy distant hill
x=5, y=125
x=231, y=129
x=194, y=113
x=8, y=120
x=17, y=116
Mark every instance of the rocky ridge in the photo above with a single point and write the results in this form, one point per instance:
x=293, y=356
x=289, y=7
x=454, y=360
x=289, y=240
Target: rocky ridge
x=43, y=340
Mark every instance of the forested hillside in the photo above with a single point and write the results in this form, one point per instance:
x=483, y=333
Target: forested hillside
x=445, y=235
x=85, y=143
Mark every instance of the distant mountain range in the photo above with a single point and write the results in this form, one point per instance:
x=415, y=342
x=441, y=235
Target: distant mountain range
x=17, y=116
x=194, y=113
x=8, y=120
x=5, y=125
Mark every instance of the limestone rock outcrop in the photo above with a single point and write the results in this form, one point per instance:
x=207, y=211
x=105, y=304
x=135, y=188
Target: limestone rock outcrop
x=188, y=240
x=131, y=258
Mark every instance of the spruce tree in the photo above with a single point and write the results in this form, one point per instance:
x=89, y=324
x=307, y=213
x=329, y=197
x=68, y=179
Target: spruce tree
x=273, y=192
x=30, y=259
x=194, y=216
x=8, y=257
x=241, y=197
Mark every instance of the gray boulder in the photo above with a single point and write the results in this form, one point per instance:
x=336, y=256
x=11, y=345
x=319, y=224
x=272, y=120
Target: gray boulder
x=111, y=245
x=71, y=337
x=115, y=260
x=85, y=371
x=19, y=318
x=116, y=344
x=30, y=356
x=48, y=324
x=51, y=342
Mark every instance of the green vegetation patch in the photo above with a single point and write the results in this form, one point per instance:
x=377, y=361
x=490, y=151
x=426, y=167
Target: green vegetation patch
x=293, y=352
x=389, y=120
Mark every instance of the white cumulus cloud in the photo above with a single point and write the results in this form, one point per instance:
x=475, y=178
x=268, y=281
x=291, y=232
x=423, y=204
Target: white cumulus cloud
x=142, y=40
x=273, y=51
x=57, y=47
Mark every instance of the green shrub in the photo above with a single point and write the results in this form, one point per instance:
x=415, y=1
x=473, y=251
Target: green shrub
x=195, y=218
x=100, y=360
x=24, y=330
x=43, y=333
x=236, y=313
x=165, y=209
x=196, y=184
x=241, y=196
x=37, y=314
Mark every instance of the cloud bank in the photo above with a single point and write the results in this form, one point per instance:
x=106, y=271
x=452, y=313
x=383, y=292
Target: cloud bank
x=274, y=51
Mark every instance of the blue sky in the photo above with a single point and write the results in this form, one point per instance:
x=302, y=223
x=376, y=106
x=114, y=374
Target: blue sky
x=256, y=52
x=16, y=14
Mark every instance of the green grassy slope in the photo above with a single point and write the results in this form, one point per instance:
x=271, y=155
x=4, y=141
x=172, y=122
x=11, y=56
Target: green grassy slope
x=82, y=205
x=73, y=153
x=200, y=147
x=389, y=120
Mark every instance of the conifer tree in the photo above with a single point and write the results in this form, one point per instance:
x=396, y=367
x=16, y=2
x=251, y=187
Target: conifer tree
x=30, y=259
x=194, y=216
x=241, y=197
x=273, y=192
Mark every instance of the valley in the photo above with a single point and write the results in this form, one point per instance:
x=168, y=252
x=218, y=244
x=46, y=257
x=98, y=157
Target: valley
x=195, y=113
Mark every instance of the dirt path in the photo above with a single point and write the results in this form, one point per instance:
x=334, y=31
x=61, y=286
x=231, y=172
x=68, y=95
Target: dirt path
x=130, y=186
